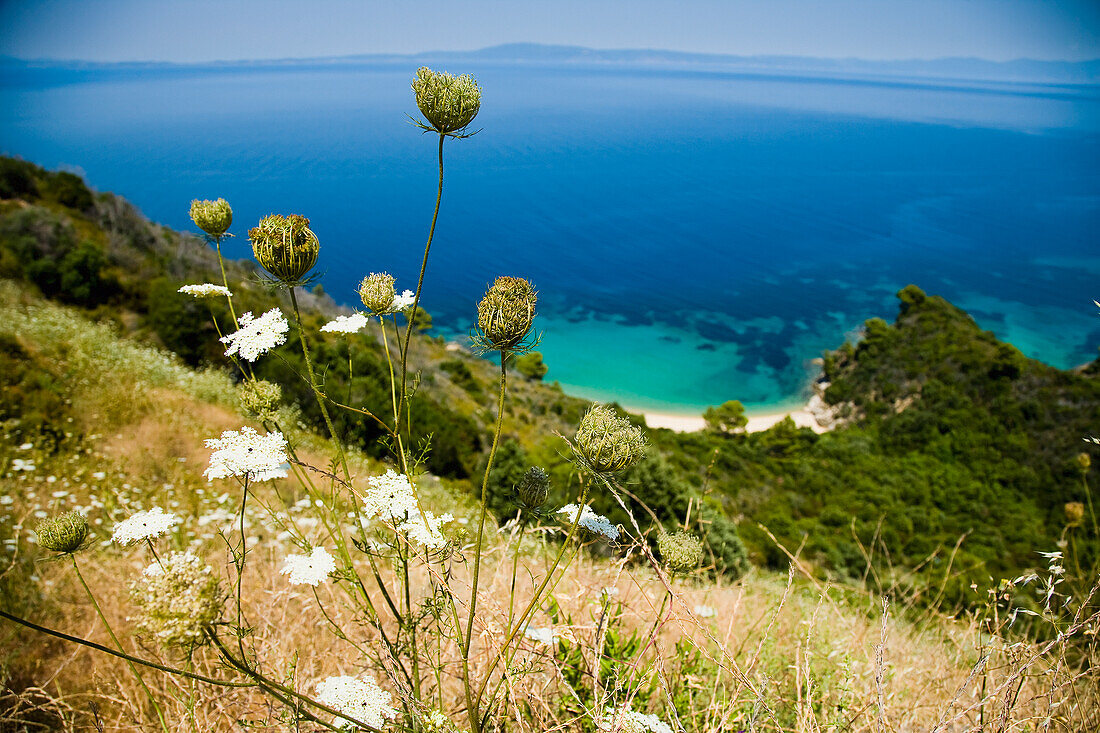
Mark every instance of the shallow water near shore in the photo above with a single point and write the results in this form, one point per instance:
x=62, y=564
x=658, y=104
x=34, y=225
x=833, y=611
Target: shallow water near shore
x=694, y=238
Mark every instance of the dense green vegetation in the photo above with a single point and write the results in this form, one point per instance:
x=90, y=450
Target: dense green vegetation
x=950, y=437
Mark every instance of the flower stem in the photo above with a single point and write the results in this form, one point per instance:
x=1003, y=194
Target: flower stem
x=420, y=279
x=316, y=389
x=111, y=633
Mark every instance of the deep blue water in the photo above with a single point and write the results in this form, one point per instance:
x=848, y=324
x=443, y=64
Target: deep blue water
x=694, y=238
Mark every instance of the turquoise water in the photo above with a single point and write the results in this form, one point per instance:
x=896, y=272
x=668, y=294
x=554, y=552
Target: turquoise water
x=694, y=238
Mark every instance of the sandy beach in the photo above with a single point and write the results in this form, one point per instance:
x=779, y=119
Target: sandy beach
x=757, y=420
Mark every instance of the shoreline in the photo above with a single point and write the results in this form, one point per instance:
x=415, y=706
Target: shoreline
x=758, y=420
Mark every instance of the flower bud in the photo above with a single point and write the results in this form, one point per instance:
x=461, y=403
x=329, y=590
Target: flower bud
x=505, y=314
x=1084, y=461
x=213, y=217
x=449, y=103
x=1075, y=513
x=534, y=488
x=377, y=293
x=285, y=246
x=607, y=442
x=260, y=398
x=680, y=551
x=63, y=533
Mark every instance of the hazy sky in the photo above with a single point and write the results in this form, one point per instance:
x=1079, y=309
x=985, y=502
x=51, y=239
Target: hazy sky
x=200, y=30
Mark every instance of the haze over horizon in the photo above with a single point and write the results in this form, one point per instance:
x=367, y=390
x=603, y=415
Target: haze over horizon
x=205, y=30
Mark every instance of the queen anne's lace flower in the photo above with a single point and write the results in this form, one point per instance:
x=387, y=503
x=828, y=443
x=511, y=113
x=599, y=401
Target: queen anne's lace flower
x=311, y=568
x=257, y=335
x=705, y=611
x=628, y=721
x=358, y=697
x=403, y=301
x=543, y=636
x=391, y=497
x=144, y=526
x=206, y=290
x=590, y=520
x=178, y=600
x=247, y=453
x=346, y=324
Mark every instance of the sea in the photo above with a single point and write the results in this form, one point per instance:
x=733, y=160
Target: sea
x=694, y=237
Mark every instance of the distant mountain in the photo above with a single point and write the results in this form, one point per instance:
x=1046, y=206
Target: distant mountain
x=13, y=70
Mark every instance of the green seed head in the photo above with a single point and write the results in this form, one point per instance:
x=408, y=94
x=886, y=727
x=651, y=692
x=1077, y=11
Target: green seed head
x=260, y=399
x=213, y=217
x=505, y=314
x=377, y=292
x=285, y=246
x=607, y=442
x=680, y=551
x=1075, y=513
x=63, y=533
x=1084, y=461
x=449, y=103
x=535, y=487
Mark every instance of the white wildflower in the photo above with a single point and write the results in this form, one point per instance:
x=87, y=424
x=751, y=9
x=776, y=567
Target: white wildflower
x=257, y=335
x=247, y=453
x=206, y=290
x=308, y=569
x=346, y=324
x=542, y=636
x=391, y=498
x=705, y=612
x=628, y=721
x=356, y=697
x=26, y=446
x=144, y=526
x=590, y=520
x=18, y=464
x=177, y=600
x=403, y=301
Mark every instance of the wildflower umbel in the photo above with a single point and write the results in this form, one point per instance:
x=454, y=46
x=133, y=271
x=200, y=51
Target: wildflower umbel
x=177, y=600
x=257, y=336
x=625, y=720
x=213, y=217
x=206, y=290
x=449, y=103
x=505, y=315
x=534, y=488
x=247, y=454
x=285, y=246
x=345, y=324
x=358, y=697
x=391, y=498
x=680, y=551
x=379, y=296
x=144, y=526
x=63, y=533
x=308, y=569
x=595, y=523
x=606, y=442
x=260, y=398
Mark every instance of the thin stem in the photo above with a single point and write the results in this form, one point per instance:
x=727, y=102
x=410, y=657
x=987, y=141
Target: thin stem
x=225, y=282
x=156, y=557
x=120, y=654
x=316, y=390
x=420, y=279
x=111, y=633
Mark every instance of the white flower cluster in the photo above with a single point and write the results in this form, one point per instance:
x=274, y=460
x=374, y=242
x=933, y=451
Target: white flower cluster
x=144, y=526
x=391, y=497
x=308, y=569
x=542, y=636
x=257, y=335
x=346, y=324
x=591, y=521
x=403, y=301
x=360, y=698
x=206, y=290
x=247, y=453
x=628, y=721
